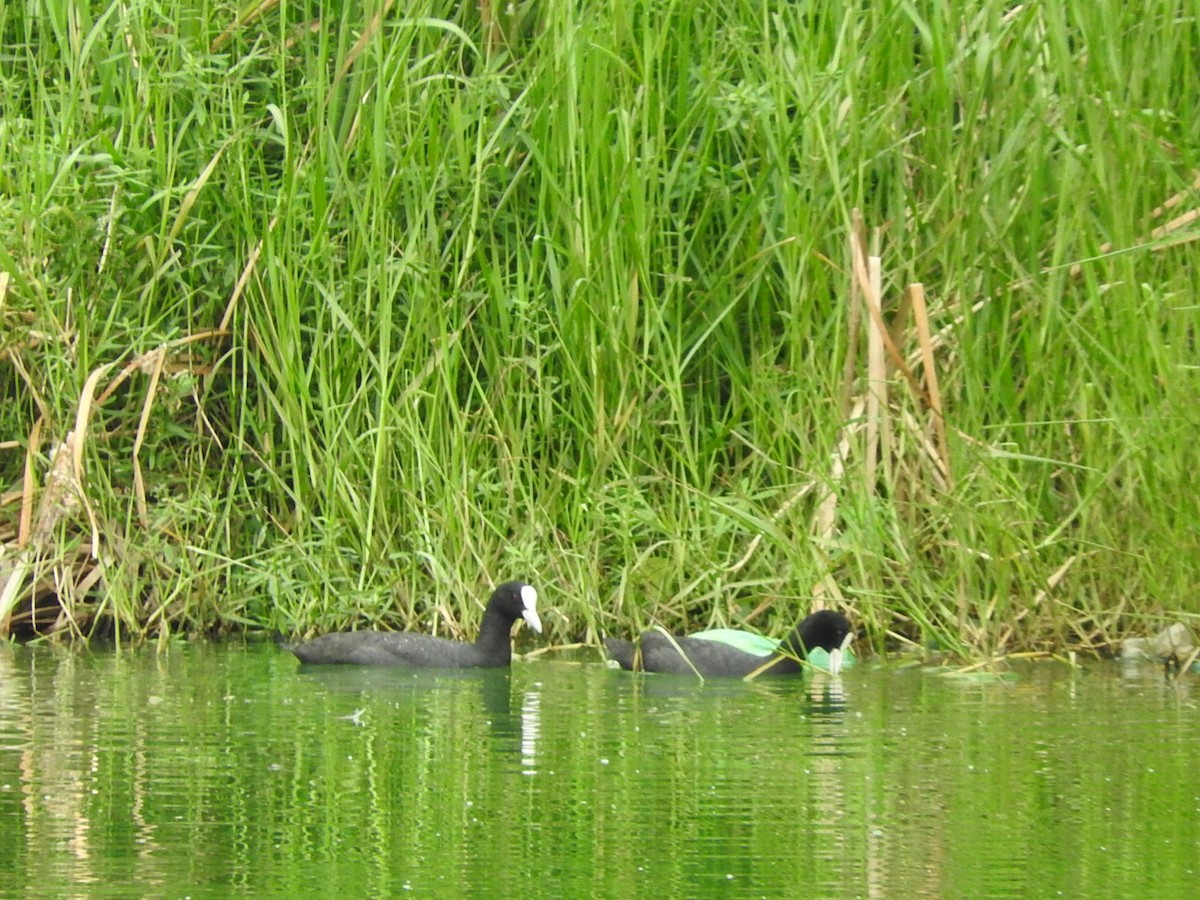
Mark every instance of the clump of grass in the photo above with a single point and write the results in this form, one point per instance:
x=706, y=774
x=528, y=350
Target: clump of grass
x=344, y=313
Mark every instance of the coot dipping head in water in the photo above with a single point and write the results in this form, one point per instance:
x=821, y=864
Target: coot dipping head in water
x=725, y=653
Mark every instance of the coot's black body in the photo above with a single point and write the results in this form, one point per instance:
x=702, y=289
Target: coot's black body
x=656, y=652
x=492, y=649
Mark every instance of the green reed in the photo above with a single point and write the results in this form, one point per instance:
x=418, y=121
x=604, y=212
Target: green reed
x=564, y=296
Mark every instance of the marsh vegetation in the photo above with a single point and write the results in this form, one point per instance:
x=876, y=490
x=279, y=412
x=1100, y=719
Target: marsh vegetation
x=315, y=315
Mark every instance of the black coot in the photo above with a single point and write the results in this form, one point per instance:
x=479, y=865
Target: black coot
x=492, y=649
x=656, y=652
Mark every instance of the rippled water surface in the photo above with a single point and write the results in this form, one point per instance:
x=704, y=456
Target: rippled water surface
x=218, y=770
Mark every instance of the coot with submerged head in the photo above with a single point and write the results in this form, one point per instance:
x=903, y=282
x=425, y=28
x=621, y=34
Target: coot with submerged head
x=726, y=652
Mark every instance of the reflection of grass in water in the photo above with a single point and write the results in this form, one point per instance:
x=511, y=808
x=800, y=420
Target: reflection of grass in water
x=242, y=773
x=390, y=314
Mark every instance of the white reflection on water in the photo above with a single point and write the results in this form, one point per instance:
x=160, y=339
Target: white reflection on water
x=13, y=732
x=531, y=727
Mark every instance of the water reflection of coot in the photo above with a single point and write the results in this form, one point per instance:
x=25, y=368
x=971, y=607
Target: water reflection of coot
x=383, y=683
x=820, y=696
x=514, y=726
x=827, y=699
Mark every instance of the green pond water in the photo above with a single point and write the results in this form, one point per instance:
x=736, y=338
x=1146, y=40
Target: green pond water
x=227, y=770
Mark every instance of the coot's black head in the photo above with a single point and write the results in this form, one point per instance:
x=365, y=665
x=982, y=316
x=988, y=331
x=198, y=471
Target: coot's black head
x=828, y=630
x=517, y=600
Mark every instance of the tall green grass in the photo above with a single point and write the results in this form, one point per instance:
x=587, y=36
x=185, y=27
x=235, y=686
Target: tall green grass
x=570, y=303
